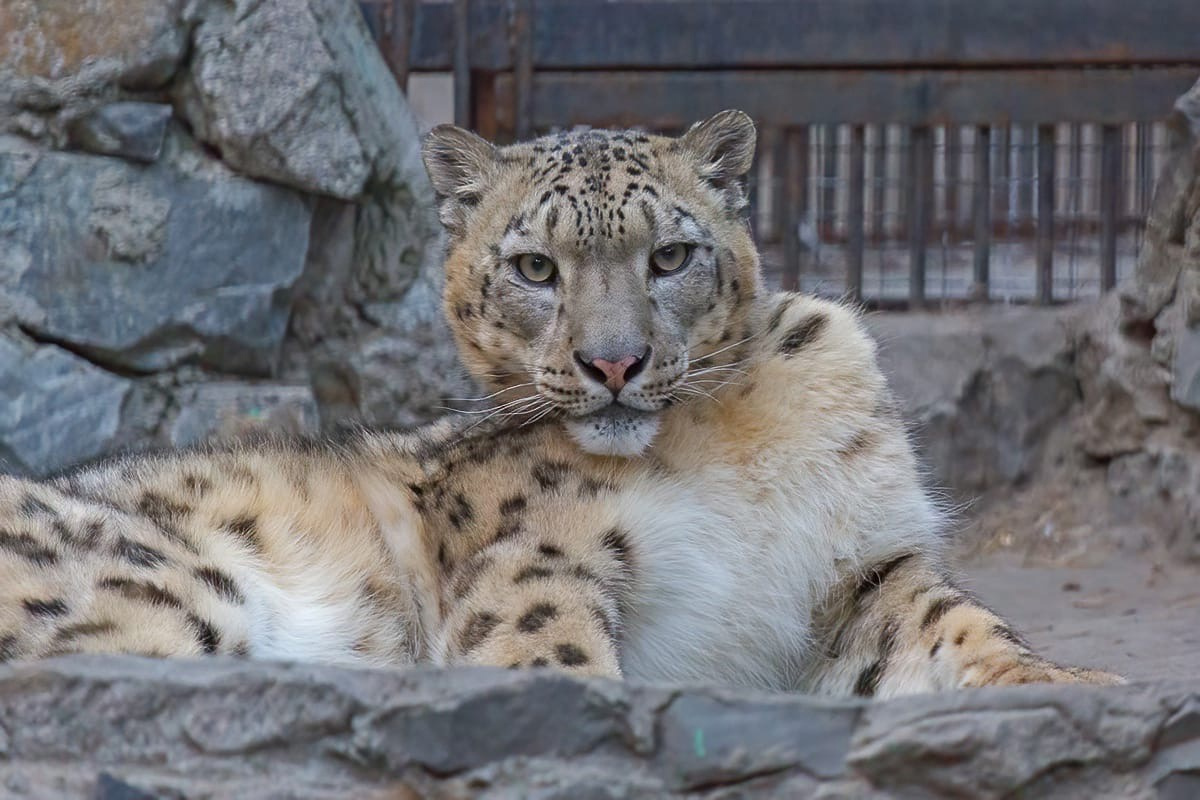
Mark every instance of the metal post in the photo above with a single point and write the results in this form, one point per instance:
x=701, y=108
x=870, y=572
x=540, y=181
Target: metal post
x=920, y=211
x=981, y=210
x=1045, y=214
x=856, y=222
x=795, y=188
x=462, y=63
x=1110, y=193
x=522, y=43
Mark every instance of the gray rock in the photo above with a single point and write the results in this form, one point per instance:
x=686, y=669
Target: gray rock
x=83, y=726
x=55, y=409
x=144, y=268
x=131, y=130
x=980, y=390
x=1185, y=373
x=227, y=409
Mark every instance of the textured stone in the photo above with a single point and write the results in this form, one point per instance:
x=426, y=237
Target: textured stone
x=134, y=727
x=55, y=409
x=145, y=268
x=135, y=131
x=228, y=409
x=981, y=390
x=1185, y=373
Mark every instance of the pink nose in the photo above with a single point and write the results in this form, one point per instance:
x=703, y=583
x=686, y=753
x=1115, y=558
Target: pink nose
x=615, y=371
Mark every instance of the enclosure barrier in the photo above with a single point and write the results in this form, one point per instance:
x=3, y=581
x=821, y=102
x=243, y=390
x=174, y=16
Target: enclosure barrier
x=998, y=139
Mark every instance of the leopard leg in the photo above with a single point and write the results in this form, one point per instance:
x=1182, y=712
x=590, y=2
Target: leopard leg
x=538, y=599
x=904, y=627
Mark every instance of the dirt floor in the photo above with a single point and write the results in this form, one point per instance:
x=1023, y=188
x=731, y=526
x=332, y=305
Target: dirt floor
x=1132, y=615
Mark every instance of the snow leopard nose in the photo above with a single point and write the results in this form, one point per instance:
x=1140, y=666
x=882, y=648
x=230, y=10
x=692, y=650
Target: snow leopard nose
x=612, y=373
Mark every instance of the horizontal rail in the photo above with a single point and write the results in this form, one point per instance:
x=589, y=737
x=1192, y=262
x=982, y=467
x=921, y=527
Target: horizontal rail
x=748, y=34
x=672, y=100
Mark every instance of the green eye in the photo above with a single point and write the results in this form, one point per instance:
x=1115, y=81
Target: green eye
x=535, y=268
x=671, y=258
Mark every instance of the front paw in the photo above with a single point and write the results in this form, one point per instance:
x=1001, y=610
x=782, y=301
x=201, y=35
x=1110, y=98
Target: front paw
x=1020, y=671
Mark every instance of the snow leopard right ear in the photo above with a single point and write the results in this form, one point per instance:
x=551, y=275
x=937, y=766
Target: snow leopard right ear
x=460, y=165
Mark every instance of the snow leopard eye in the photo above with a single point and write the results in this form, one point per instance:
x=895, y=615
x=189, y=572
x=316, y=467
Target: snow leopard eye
x=535, y=268
x=670, y=258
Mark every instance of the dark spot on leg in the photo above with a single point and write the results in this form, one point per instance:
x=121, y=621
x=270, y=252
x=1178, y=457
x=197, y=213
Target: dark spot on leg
x=138, y=554
x=539, y=662
x=549, y=550
x=1002, y=631
x=570, y=655
x=777, y=315
x=875, y=577
x=33, y=507
x=531, y=572
x=536, y=617
x=220, y=583
x=617, y=543
x=803, y=333
x=604, y=622
x=28, y=548
x=240, y=650
x=478, y=627
x=960, y=638
x=246, y=529
x=45, y=608
x=469, y=574
x=206, y=634
x=513, y=505
x=140, y=591
x=550, y=474
x=937, y=609
x=72, y=632
x=862, y=441
x=933, y=651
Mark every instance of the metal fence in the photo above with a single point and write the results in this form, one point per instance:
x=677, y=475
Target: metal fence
x=912, y=151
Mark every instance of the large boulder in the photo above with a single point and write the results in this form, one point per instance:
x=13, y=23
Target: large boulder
x=981, y=390
x=202, y=191
x=130, y=728
x=143, y=268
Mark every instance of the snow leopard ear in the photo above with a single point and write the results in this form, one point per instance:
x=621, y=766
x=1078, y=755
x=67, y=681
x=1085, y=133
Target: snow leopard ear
x=460, y=165
x=723, y=146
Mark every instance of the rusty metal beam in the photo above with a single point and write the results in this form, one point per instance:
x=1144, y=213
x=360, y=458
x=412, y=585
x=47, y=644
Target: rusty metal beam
x=672, y=100
x=667, y=34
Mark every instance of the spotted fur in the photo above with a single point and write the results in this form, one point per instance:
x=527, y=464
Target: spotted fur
x=745, y=510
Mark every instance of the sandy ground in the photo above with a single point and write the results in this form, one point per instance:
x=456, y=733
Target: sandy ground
x=1133, y=616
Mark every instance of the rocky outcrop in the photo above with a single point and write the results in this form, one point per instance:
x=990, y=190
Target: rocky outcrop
x=129, y=728
x=208, y=192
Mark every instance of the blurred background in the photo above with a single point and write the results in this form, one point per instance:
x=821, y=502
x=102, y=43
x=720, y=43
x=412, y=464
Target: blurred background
x=214, y=220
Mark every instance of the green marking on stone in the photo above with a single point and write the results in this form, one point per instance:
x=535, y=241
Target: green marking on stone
x=699, y=744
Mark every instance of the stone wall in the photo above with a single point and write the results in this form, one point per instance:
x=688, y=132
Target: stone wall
x=213, y=217
x=131, y=729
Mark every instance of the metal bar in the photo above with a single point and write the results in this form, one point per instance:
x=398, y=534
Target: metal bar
x=1045, y=214
x=673, y=100
x=399, y=38
x=795, y=189
x=462, y=63
x=1110, y=200
x=981, y=202
x=920, y=211
x=522, y=38
x=667, y=34
x=953, y=155
x=856, y=221
x=827, y=196
x=879, y=185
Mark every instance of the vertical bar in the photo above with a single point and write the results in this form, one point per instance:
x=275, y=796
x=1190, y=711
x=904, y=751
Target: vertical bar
x=1110, y=199
x=1045, y=214
x=829, y=172
x=462, y=63
x=400, y=40
x=1026, y=166
x=921, y=208
x=879, y=184
x=854, y=211
x=952, y=177
x=522, y=43
x=775, y=141
x=796, y=157
x=981, y=202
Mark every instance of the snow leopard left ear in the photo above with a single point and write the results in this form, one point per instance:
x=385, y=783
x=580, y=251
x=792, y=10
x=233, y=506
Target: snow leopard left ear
x=460, y=166
x=723, y=146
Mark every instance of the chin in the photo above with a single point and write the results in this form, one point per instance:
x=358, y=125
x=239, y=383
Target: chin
x=615, y=431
